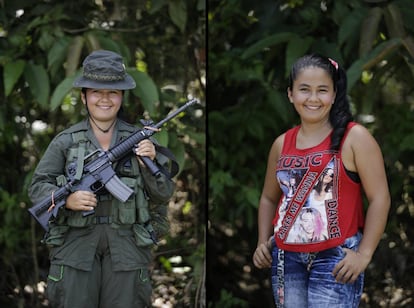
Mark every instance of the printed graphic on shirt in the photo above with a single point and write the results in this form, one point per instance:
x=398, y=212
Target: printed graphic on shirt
x=308, y=210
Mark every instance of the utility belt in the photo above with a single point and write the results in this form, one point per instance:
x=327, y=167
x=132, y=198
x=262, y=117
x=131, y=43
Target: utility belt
x=102, y=220
x=106, y=213
x=103, y=212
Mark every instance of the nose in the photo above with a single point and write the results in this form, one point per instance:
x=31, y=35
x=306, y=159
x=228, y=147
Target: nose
x=105, y=95
x=313, y=96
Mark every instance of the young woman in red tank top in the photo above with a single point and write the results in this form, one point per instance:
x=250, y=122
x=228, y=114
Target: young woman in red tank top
x=318, y=241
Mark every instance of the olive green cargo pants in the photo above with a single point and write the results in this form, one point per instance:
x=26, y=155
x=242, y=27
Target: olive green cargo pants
x=101, y=286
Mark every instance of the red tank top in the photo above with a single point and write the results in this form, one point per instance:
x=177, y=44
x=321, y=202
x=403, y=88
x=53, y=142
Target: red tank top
x=321, y=205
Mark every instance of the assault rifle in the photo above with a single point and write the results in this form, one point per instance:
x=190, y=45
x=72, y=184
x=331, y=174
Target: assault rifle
x=98, y=173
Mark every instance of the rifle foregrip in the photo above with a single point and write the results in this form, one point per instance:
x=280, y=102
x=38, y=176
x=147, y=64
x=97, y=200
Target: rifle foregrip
x=152, y=166
x=119, y=150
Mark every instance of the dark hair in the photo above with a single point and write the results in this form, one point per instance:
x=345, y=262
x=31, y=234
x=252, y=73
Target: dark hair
x=340, y=114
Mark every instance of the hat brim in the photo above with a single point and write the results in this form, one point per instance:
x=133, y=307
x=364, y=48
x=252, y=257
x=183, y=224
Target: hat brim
x=126, y=84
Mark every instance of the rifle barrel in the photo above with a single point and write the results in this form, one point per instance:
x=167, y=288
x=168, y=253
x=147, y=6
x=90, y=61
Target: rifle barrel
x=121, y=149
x=175, y=113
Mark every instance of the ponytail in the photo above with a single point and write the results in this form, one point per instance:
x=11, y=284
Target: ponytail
x=340, y=114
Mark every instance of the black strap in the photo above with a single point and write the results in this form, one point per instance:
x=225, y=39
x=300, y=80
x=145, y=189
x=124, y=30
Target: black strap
x=164, y=151
x=174, y=164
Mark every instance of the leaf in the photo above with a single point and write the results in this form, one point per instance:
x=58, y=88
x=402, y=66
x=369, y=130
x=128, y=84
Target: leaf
x=265, y=43
x=146, y=90
x=92, y=41
x=256, y=129
x=407, y=143
x=394, y=21
x=12, y=72
x=2, y=121
x=369, y=30
x=201, y=5
x=57, y=54
x=162, y=137
x=350, y=25
x=61, y=91
x=280, y=105
x=296, y=48
x=109, y=44
x=354, y=73
x=178, y=13
x=179, y=153
x=38, y=80
x=322, y=46
x=73, y=57
x=197, y=137
x=156, y=5
x=219, y=180
x=373, y=58
x=381, y=51
x=252, y=195
x=166, y=263
x=408, y=43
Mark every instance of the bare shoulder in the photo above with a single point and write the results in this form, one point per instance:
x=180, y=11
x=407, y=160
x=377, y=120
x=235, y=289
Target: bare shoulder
x=359, y=146
x=359, y=129
x=277, y=146
x=359, y=137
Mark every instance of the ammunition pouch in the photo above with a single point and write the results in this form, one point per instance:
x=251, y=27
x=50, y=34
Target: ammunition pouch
x=142, y=236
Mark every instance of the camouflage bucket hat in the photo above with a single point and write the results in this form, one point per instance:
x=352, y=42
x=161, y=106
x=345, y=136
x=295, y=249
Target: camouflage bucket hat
x=104, y=69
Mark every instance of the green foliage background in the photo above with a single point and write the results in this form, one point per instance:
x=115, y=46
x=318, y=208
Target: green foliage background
x=251, y=46
x=42, y=45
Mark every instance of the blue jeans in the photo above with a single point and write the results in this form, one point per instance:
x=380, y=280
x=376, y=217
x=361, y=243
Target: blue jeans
x=308, y=282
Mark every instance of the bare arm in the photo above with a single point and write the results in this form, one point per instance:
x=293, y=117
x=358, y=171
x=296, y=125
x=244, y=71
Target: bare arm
x=369, y=163
x=267, y=206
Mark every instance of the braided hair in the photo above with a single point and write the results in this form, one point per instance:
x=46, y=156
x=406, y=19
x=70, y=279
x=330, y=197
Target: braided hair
x=340, y=114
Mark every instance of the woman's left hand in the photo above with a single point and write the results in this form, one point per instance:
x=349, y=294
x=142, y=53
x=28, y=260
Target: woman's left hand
x=145, y=148
x=351, y=266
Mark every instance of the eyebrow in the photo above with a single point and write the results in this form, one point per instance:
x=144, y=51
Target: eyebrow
x=307, y=85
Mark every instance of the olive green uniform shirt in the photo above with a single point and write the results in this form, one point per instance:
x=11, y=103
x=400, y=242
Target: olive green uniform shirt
x=77, y=247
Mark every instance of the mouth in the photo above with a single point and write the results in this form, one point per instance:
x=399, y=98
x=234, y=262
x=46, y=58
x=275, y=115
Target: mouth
x=104, y=107
x=312, y=107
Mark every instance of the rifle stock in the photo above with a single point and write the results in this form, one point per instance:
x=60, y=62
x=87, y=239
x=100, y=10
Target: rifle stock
x=98, y=173
x=44, y=210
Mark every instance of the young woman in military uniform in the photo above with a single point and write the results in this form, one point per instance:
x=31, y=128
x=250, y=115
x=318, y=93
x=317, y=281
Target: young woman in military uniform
x=100, y=260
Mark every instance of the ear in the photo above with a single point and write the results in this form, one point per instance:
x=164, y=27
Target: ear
x=83, y=97
x=289, y=93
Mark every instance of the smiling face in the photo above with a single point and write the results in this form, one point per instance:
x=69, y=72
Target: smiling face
x=103, y=105
x=312, y=94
